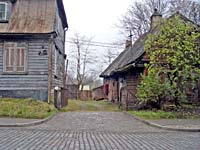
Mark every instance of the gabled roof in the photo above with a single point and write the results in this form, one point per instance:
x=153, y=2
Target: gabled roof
x=131, y=54
x=128, y=56
x=34, y=16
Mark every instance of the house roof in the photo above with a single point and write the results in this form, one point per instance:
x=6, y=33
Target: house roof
x=131, y=54
x=34, y=16
x=128, y=56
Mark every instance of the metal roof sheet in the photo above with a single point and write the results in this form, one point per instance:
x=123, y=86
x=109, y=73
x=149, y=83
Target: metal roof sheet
x=33, y=16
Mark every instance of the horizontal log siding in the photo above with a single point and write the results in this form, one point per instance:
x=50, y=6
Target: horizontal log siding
x=59, y=80
x=37, y=76
x=112, y=95
x=1, y=56
x=132, y=79
x=59, y=43
x=112, y=89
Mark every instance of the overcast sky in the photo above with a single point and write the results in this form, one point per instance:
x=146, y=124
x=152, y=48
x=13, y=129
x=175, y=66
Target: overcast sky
x=95, y=17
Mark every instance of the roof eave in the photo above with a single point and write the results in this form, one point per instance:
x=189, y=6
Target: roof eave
x=62, y=13
x=4, y=35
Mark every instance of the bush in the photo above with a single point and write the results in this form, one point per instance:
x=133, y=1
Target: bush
x=154, y=92
x=173, y=71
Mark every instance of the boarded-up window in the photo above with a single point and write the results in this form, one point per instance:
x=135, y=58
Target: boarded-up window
x=15, y=57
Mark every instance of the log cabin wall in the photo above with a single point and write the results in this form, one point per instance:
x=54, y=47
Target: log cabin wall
x=40, y=26
x=112, y=89
x=58, y=51
x=58, y=57
x=113, y=94
x=128, y=92
x=33, y=83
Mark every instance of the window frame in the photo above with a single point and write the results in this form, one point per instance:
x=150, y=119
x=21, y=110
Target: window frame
x=15, y=61
x=6, y=7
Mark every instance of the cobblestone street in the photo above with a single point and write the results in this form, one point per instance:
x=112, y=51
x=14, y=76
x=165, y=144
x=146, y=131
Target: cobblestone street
x=91, y=131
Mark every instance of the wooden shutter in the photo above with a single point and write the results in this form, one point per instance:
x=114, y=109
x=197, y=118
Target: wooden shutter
x=20, y=62
x=15, y=57
x=9, y=57
x=9, y=60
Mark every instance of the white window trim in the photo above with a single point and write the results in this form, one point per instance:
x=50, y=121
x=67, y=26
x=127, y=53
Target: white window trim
x=6, y=7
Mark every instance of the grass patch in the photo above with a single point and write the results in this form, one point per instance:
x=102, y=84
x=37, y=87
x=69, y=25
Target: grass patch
x=154, y=115
x=78, y=105
x=163, y=115
x=25, y=108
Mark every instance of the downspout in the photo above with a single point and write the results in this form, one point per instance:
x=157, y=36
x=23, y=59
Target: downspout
x=50, y=67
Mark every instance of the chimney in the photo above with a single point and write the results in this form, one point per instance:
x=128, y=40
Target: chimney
x=128, y=44
x=156, y=19
x=129, y=40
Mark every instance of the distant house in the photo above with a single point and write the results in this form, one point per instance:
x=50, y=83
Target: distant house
x=32, y=48
x=72, y=91
x=123, y=75
x=98, y=93
x=72, y=88
x=92, y=90
x=85, y=92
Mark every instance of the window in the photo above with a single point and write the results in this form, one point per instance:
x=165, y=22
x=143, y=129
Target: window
x=15, y=58
x=3, y=11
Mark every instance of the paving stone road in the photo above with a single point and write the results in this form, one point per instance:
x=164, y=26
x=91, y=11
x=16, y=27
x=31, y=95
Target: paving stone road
x=95, y=131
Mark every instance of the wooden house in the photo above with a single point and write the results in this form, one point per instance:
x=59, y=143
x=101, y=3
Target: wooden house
x=85, y=92
x=72, y=91
x=32, y=48
x=98, y=93
x=72, y=88
x=123, y=75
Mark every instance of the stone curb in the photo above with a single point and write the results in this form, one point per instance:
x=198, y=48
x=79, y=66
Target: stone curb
x=163, y=127
x=34, y=123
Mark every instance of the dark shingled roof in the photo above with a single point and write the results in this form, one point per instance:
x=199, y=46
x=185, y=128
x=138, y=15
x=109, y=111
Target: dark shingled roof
x=131, y=54
x=34, y=16
x=128, y=56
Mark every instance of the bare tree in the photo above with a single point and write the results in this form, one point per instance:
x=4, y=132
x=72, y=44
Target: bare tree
x=137, y=18
x=109, y=55
x=189, y=8
x=82, y=57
